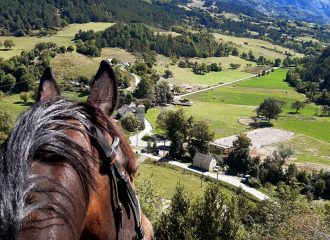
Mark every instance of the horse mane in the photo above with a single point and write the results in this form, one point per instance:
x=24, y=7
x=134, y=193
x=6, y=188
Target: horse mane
x=39, y=132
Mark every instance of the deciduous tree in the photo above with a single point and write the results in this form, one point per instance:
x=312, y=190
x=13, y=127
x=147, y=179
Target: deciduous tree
x=130, y=122
x=297, y=105
x=9, y=43
x=271, y=108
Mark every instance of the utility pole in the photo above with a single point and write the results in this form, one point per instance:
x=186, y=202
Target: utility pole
x=165, y=136
x=137, y=136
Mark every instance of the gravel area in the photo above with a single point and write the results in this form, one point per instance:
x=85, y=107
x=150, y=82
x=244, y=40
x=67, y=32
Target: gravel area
x=260, y=137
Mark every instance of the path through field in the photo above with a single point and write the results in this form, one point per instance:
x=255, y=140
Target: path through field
x=220, y=85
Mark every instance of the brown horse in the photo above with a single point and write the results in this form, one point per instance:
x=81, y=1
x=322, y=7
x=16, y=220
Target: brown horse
x=67, y=172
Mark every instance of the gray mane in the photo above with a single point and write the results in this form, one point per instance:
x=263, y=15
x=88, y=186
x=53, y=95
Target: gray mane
x=37, y=132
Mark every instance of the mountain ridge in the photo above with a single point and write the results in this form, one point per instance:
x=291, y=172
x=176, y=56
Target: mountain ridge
x=303, y=10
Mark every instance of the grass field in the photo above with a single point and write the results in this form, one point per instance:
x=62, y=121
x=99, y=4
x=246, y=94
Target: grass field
x=185, y=75
x=255, y=46
x=75, y=64
x=151, y=115
x=310, y=151
x=169, y=179
x=318, y=129
x=62, y=38
x=214, y=78
x=15, y=104
x=274, y=80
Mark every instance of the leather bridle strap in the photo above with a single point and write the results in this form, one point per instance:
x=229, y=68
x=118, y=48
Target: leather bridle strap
x=114, y=172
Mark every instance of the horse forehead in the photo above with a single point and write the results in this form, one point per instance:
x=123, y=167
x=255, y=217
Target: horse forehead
x=129, y=165
x=81, y=137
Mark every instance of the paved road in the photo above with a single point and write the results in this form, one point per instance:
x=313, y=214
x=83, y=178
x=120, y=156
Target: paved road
x=147, y=130
x=225, y=178
x=220, y=85
x=137, y=138
x=137, y=79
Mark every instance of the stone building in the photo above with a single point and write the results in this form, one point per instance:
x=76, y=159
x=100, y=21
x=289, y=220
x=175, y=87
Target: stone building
x=204, y=161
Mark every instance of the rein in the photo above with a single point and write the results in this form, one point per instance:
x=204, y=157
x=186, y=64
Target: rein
x=113, y=170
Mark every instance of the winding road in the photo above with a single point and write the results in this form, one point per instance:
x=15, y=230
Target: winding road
x=235, y=181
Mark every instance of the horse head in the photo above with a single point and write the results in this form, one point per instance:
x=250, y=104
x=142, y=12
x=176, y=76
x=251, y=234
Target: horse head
x=68, y=171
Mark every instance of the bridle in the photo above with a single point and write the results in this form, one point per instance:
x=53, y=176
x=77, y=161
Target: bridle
x=113, y=170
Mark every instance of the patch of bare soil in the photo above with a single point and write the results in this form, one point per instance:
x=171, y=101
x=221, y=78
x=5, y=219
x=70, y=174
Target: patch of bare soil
x=247, y=121
x=258, y=152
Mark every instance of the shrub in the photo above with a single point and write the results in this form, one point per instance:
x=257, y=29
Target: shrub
x=254, y=182
x=70, y=49
x=24, y=96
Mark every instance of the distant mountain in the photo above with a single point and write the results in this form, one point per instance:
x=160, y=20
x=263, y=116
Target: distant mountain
x=303, y=10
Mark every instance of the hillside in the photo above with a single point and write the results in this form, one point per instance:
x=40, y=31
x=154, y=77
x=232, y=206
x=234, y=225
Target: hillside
x=304, y=10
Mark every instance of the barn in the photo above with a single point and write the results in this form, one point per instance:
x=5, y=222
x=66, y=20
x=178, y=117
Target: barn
x=204, y=161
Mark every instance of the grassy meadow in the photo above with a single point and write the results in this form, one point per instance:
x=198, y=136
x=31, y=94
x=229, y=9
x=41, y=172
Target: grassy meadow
x=255, y=45
x=15, y=104
x=169, y=179
x=64, y=37
x=75, y=64
x=186, y=76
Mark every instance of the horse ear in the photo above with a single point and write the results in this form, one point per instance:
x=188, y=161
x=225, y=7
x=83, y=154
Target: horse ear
x=104, y=92
x=48, y=87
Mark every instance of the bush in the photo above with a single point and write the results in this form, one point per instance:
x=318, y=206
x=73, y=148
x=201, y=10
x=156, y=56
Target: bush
x=254, y=182
x=70, y=49
x=24, y=96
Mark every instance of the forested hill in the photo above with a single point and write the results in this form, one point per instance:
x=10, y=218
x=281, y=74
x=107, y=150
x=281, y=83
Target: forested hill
x=313, y=78
x=22, y=16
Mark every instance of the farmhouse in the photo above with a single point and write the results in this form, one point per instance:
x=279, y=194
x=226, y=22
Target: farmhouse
x=204, y=161
x=138, y=111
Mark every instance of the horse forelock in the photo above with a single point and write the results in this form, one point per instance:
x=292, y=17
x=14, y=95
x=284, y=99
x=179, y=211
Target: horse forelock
x=37, y=132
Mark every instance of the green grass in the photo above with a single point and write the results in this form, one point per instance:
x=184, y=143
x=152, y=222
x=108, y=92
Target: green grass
x=170, y=175
x=255, y=46
x=310, y=151
x=185, y=75
x=151, y=115
x=62, y=38
x=223, y=118
x=15, y=104
x=214, y=78
x=169, y=179
x=317, y=129
x=274, y=80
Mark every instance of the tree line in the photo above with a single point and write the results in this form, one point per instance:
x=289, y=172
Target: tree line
x=313, y=78
x=140, y=38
